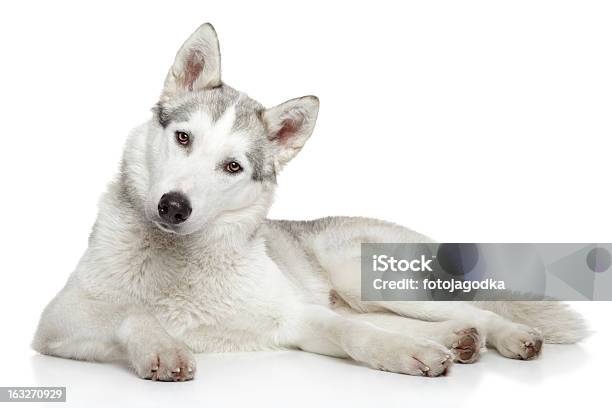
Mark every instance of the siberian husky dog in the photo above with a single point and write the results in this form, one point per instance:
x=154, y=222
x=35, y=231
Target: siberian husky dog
x=182, y=259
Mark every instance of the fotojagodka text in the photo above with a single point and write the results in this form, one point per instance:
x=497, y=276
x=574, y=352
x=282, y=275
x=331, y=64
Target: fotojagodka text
x=385, y=263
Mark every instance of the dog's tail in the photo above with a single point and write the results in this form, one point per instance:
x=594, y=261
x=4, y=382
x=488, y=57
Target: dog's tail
x=555, y=320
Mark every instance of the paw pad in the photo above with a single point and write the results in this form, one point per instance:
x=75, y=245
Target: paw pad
x=532, y=349
x=467, y=346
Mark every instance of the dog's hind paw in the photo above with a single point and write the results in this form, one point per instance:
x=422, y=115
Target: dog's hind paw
x=520, y=342
x=463, y=339
x=467, y=345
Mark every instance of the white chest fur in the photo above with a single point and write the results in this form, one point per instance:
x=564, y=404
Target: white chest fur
x=216, y=297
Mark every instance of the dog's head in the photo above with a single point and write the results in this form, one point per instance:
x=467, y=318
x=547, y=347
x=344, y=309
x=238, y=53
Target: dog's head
x=213, y=154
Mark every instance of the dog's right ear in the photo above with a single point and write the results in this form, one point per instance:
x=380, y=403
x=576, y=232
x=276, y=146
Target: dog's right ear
x=197, y=64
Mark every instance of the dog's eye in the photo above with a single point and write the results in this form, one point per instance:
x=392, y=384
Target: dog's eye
x=233, y=167
x=182, y=137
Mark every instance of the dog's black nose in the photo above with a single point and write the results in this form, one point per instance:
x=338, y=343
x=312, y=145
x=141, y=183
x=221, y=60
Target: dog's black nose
x=174, y=208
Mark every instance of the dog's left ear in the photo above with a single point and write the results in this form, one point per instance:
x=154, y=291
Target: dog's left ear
x=197, y=64
x=289, y=125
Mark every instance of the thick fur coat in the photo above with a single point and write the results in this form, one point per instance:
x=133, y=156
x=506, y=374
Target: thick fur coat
x=182, y=259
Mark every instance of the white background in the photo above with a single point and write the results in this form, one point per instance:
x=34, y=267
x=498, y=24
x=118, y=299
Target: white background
x=468, y=121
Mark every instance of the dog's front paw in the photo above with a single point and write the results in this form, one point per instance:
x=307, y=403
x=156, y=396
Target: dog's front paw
x=433, y=359
x=407, y=356
x=520, y=342
x=163, y=361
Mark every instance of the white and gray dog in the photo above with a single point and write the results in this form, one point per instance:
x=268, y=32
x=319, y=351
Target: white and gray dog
x=182, y=259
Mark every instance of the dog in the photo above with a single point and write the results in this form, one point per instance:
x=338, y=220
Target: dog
x=182, y=259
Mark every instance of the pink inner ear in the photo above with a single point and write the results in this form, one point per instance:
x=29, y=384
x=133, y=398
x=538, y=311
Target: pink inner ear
x=289, y=128
x=193, y=68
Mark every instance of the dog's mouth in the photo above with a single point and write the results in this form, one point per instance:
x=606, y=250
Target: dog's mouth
x=166, y=227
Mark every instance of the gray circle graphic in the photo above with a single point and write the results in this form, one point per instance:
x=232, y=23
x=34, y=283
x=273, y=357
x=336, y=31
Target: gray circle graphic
x=599, y=259
x=458, y=259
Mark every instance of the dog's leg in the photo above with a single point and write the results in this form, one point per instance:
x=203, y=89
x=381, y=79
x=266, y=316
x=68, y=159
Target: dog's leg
x=462, y=338
x=75, y=326
x=324, y=331
x=337, y=247
x=513, y=340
